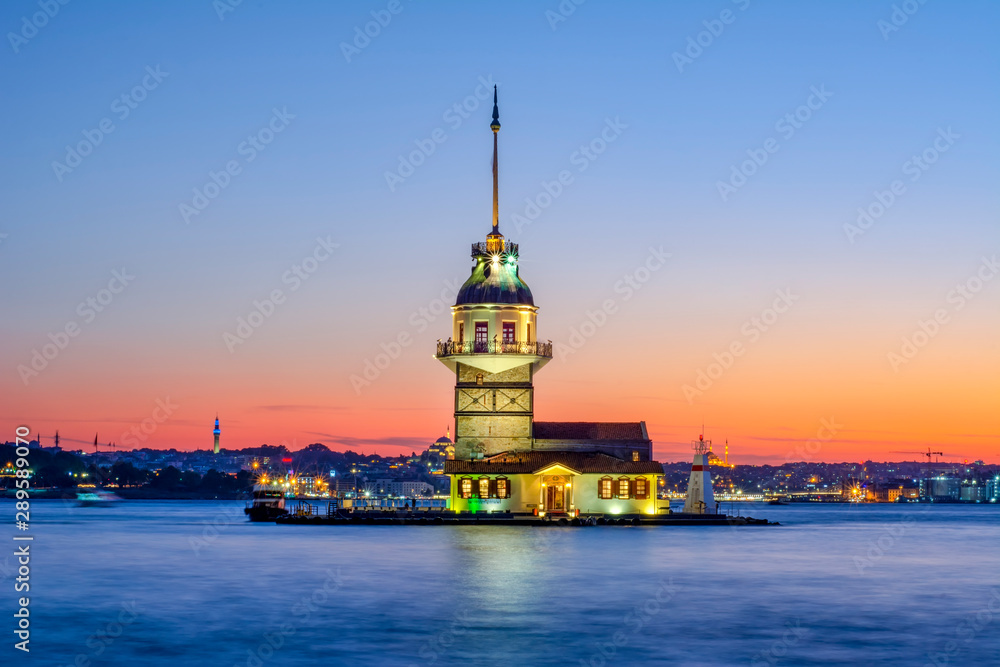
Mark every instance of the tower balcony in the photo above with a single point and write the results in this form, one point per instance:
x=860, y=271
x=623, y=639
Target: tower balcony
x=491, y=356
x=483, y=249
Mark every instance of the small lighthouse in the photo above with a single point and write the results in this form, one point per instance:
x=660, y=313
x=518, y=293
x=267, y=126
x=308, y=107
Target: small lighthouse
x=700, y=499
x=216, y=432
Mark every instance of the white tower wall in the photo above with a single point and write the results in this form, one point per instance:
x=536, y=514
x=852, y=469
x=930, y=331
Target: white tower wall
x=700, y=499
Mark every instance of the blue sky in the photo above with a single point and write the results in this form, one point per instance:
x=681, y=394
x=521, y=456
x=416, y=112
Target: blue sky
x=656, y=184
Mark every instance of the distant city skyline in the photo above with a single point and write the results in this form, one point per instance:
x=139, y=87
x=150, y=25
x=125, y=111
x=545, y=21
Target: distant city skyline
x=777, y=220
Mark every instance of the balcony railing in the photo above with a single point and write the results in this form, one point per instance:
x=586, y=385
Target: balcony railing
x=480, y=249
x=450, y=348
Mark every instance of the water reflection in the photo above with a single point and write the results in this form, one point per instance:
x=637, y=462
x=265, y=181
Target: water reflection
x=210, y=589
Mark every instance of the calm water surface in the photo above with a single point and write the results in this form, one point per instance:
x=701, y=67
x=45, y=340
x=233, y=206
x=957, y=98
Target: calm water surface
x=193, y=583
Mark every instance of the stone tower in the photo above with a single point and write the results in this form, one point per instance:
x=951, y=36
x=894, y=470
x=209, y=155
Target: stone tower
x=493, y=349
x=216, y=432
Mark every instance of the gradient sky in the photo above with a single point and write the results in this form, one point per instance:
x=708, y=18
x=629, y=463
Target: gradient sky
x=892, y=94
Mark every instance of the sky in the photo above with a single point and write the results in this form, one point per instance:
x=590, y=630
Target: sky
x=777, y=220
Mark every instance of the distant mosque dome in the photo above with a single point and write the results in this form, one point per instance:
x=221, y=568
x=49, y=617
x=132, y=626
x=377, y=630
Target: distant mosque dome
x=443, y=440
x=495, y=281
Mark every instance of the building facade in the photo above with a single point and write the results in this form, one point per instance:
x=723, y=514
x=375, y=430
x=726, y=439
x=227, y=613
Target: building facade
x=505, y=461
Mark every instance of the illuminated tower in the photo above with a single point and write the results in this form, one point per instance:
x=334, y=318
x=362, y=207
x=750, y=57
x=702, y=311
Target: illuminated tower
x=700, y=499
x=216, y=432
x=493, y=349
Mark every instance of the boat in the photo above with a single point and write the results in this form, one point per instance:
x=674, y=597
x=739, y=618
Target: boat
x=777, y=501
x=96, y=499
x=267, y=504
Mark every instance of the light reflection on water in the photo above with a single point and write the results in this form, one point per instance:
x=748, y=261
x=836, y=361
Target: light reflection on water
x=213, y=589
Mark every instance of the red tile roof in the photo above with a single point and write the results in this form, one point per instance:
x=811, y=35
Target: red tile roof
x=589, y=431
x=528, y=462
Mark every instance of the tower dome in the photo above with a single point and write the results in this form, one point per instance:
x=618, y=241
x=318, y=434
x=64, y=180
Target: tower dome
x=495, y=279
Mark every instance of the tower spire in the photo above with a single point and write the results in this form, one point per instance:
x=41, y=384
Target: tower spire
x=495, y=126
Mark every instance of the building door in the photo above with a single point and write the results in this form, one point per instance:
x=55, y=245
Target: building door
x=554, y=498
x=482, y=336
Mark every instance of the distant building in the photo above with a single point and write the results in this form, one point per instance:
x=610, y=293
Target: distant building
x=944, y=487
x=993, y=489
x=402, y=488
x=216, y=432
x=443, y=448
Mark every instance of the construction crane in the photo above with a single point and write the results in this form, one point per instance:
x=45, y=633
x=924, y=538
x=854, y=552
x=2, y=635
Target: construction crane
x=928, y=454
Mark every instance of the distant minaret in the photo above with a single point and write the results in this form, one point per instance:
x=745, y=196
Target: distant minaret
x=727, y=451
x=700, y=499
x=217, y=432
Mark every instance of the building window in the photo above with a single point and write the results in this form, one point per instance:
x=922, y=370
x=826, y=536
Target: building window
x=461, y=332
x=641, y=488
x=528, y=338
x=484, y=487
x=465, y=487
x=482, y=337
x=623, y=487
x=635, y=455
x=605, y=486
x=509, y=335
x=503, y=487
